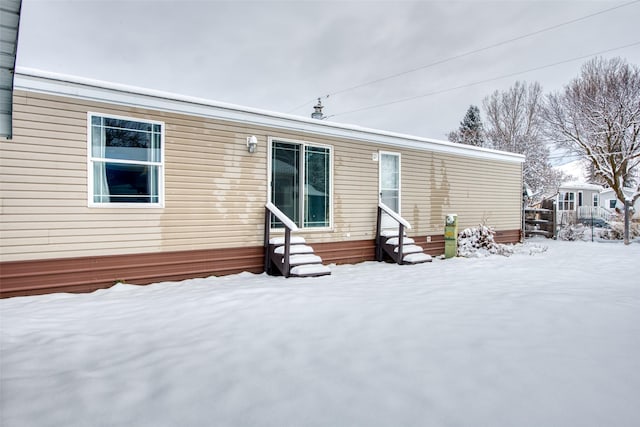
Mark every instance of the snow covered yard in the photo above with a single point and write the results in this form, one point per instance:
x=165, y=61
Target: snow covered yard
x=535, y=339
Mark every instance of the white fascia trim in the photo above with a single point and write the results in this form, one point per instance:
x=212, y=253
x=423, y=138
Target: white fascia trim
x=581, y=187
x=29, y=79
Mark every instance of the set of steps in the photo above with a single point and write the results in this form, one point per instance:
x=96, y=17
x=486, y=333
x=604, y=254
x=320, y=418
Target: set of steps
x=302, y=261
x=411, y=253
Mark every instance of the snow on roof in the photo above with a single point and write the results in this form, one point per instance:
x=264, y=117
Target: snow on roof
x=34, y=80
x=577, y=185
x=627, y=191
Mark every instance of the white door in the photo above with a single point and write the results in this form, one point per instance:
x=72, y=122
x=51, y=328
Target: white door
x=389, y=187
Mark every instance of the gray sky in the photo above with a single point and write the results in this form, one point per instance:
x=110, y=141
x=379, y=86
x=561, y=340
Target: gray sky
x=279, y=55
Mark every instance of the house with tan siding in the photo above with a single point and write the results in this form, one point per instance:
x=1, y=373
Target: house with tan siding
x=103, y=183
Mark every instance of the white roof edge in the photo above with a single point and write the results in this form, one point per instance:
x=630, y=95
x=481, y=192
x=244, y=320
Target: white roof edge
x=577, y=185
x=626, y=190
x=30, y=79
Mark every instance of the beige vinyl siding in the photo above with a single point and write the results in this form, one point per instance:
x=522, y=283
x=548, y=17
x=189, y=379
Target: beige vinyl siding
x=478, y=191
x=433, y=184
x=355, y=190
x=215, y=191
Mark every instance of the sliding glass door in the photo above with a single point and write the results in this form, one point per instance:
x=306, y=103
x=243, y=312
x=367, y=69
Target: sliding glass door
x=301, y=183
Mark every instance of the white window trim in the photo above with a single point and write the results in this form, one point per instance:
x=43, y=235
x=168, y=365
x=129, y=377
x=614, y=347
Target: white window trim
x=399, y=156
x=302, y=143
x=90, y=202
x=562, y=201
x=595, y=200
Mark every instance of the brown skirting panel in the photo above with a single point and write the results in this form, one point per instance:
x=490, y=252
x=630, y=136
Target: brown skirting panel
x=508, y=236
x=351, y=252
x=87, y=274
x=434, y=246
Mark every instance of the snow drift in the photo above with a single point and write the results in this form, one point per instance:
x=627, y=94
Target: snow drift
x=548, y=339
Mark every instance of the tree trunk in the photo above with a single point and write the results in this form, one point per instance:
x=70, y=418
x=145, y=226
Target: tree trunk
x=627, y=213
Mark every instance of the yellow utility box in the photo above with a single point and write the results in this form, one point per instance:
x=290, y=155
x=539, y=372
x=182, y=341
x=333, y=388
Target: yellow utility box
x=451, y=236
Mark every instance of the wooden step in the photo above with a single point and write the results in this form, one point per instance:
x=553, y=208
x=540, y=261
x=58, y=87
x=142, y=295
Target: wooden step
x=295, y=240
x=537, y=221
x=395, y=240
x=416, y=258
x=390, y=233
x=301, y=259
x=310, y=270
x=295, y=249
x=409, y=249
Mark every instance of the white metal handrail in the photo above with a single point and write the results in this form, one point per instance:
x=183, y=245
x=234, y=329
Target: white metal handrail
x=289, y=226
x=282, y=217
x=394, y=215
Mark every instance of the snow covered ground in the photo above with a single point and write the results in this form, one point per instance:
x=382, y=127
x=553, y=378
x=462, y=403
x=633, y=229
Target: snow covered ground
x=540, y=338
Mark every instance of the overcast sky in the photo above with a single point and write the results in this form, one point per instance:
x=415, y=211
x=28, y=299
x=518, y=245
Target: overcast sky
x=282, y=55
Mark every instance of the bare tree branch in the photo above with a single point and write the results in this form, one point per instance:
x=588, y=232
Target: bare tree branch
x=597, y=116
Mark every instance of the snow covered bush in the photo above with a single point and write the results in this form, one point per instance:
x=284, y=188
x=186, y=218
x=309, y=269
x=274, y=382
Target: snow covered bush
x=534, y=249
x=616, y=231
x=479, y=241
x=572, y=232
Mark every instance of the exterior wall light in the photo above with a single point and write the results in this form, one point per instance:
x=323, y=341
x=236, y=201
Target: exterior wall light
x=252, y=143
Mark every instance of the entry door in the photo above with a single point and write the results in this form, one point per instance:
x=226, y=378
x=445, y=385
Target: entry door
x=390, y=185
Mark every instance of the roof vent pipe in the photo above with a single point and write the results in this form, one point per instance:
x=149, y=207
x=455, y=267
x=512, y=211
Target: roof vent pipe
x=317, y=113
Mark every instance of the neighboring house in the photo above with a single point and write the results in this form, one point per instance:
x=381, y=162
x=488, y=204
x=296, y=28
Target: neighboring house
x=610, y=201
x=103, y=183
x=582, y=199
x=578, y=201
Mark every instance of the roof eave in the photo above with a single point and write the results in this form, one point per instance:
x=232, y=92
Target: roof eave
x=30, y=79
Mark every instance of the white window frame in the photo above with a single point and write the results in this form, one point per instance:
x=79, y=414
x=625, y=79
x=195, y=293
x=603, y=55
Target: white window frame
x=562, y=201
x=303, y=145
x=595, y=200
x=91, y=160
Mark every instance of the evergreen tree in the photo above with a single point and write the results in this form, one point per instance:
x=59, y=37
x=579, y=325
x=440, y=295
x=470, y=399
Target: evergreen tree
x=471, y=130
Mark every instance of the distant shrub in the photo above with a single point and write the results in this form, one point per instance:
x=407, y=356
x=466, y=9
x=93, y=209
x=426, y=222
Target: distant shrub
x=572, y=232
x=616, y=231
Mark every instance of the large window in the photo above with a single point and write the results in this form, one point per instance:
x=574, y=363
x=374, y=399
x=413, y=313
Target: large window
x=125, y=161
x=567, y=201
x=301, y=182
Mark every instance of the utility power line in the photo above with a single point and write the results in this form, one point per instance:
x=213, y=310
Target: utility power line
x=471, y=52
x=491, y=79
